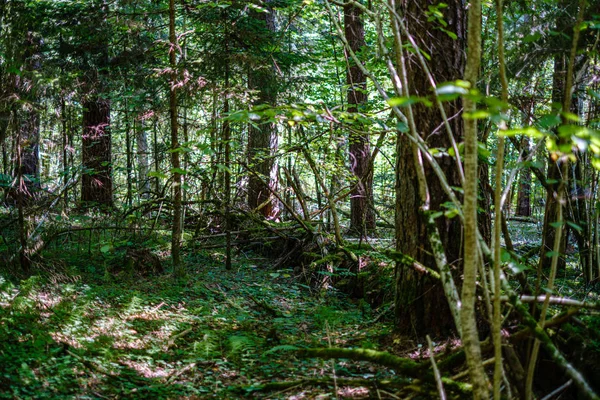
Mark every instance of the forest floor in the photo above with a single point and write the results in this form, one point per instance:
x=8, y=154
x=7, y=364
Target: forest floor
x=215, y=333
x=84, y=328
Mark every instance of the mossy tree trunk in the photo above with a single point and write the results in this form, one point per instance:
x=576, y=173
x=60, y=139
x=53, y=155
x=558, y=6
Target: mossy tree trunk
x=421, y=307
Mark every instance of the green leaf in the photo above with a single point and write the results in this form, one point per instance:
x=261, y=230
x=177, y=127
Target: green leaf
x=452, y=88
x=157, y=174
x=532, y=38
x=569, y=116
x=527, y=131
x=449, y=33
x=573, y=225
x=402, y=127
x=407, y=101
x=477, y=114
x=436, y=215
x=400, y=101
x=566, y=131
x=549, y=121
x=483, y=151
x=179, y=171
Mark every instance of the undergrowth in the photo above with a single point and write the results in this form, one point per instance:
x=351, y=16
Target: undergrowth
x=125, y=336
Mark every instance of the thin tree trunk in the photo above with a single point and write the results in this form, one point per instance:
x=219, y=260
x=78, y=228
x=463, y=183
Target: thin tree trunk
x=524, y=192
x=129, y=158
x=65, y=149
x=156, y=156
x=141, y=141
x=227, y=177
x=470, y=335
x=176, y=229
x=21, y=193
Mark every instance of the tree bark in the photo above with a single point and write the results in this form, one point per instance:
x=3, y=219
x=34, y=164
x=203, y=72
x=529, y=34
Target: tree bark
x=524, y=192
x=362, y=217
x=29, y=118
x=468, y=318
x=96, y=178
x=421, y=307
x=175, y=164
x=141, y=141
x=262, y=139
x=553, y=178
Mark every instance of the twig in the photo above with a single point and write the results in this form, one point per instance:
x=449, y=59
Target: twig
x=558, y=390
x=436, y=371
x=172, y=340
x=178, y=373
x=561, y=301
x=466, y=372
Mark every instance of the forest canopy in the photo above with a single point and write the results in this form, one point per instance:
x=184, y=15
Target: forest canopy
x=200, y=198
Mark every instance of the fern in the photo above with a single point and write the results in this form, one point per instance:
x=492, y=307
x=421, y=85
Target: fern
x=208, y=346
x=283, y=347
x=240, y=346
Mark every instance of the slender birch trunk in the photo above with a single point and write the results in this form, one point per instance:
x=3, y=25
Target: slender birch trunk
x=468, y=319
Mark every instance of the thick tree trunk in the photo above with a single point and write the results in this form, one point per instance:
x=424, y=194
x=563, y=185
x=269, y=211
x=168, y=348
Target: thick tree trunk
x=262, y=139
x=421, y=306
x=362, y=217
x=96, y=179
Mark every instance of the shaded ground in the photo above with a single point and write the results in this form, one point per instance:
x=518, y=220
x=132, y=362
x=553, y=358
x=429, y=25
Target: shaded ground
x=123, y=336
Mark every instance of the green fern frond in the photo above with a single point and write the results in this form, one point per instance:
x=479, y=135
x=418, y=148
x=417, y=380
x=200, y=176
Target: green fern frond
x=283, y=347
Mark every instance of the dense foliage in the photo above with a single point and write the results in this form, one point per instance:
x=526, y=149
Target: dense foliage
x=200, y=198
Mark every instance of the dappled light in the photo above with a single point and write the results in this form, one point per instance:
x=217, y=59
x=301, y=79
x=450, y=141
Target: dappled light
x=300, y=199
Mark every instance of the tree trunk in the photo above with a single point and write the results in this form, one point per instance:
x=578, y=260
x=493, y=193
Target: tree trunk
x=176, y=229
x=29, y=148
x=554, y=177
x=29, y=119
x=262, y=139
x=129, y=158
x=524, y=193
x=141, y=141
x=421, y=306
x=96, y=178
x=362, y=217
x=66, y=144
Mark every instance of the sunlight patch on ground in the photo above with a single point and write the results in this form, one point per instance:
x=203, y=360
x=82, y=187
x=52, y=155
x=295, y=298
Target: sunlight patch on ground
x=144, y=369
